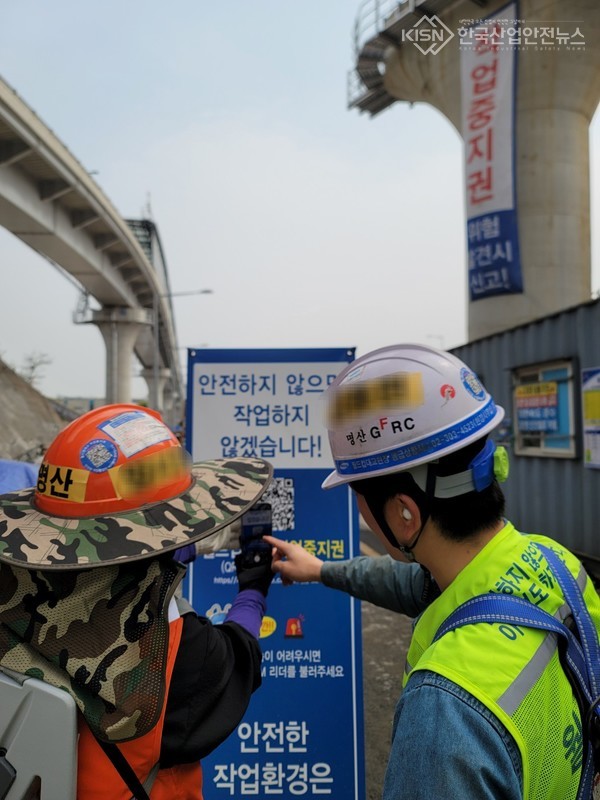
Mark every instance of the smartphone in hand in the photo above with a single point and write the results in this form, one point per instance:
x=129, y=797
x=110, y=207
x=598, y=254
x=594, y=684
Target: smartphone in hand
x=255, y=524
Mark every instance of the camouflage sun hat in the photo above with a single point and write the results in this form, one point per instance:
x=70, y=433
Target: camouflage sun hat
x=116, y=485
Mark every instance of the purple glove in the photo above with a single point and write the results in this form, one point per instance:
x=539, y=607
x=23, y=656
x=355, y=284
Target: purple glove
x=186, y=554
x=247, y=610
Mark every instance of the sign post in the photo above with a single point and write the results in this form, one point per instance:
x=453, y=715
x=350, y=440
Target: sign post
x=303, y=732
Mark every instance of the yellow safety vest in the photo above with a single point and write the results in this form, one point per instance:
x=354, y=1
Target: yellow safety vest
x=513, y=670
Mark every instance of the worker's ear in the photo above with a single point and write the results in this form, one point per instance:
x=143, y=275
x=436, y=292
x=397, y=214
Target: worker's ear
x=403, y=529
x=403, y=517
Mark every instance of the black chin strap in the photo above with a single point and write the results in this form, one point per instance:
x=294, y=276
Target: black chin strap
x=407, y=549
x=377, y=510
x=379, y=517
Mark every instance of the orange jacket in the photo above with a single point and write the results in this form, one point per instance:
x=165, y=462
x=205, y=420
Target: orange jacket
x=97, y=778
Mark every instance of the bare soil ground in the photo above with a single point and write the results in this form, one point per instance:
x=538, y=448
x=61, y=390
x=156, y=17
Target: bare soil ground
x=385, y=642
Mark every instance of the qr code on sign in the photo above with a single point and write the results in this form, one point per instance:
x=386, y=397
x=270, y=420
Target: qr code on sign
x=280, y=495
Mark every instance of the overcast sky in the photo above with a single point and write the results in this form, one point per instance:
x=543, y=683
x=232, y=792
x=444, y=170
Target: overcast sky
x=313, y=225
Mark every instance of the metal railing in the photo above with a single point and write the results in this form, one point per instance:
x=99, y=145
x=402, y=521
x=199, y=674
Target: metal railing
x=374, y=15
x=355, y=87
x=372, y=18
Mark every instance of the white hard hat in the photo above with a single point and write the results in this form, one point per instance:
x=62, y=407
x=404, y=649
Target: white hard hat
x=401, y=406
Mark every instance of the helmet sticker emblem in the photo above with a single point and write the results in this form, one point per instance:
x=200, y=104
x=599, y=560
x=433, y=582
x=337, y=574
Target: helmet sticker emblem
x=448, y=392
x=472, y=384
x=99, y=455
x=134, y=431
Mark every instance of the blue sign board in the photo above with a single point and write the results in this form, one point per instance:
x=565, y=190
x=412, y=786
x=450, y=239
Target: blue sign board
x=494, y=255
x=303, y=732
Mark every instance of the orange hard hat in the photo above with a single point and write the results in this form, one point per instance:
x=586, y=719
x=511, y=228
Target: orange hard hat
x=112, y=459
x=117, y=485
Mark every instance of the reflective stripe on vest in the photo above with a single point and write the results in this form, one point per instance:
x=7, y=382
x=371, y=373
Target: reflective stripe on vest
x=578, y=644
x=531, y=673
x=529, y=693
x=97, y=778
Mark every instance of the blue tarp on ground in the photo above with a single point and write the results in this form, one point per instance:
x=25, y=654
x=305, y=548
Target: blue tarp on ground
x=17, y=475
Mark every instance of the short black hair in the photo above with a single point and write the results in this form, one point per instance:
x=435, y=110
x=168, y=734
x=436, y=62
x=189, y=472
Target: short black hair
x=457, y=518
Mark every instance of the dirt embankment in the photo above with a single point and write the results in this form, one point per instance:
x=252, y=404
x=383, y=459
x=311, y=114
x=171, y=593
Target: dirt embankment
x=28, y=421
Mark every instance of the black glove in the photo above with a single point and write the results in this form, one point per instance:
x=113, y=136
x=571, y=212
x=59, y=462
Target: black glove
x=253, y=567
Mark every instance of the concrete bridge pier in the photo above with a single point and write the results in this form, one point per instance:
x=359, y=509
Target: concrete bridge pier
x=157, y=380
x=172, y=410
x=120, y=328
x=557, y=93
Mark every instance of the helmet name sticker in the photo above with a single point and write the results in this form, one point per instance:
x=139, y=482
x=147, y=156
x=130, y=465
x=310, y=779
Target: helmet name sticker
x=150, y=471
x=135, y=430
x=402, y=390
x=375, y=431
x=99, y=455
x=65, y=483
x=472, y=384
x=421, y=448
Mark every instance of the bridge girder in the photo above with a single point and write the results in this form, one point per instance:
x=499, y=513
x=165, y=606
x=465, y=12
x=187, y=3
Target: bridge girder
x=49, y=201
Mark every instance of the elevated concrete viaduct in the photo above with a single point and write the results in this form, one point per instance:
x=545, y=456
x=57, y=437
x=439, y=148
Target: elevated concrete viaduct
x=52, y=203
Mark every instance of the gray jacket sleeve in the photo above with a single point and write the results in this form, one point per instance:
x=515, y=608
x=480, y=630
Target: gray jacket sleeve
x=381, y=580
